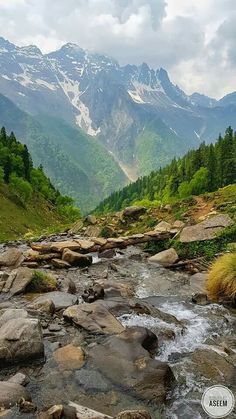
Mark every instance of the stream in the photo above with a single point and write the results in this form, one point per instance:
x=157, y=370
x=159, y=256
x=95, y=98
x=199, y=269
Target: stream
x=197, y=349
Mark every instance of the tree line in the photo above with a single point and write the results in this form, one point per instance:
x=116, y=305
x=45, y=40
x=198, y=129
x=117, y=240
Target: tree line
x=202, y=170
x=23, y=179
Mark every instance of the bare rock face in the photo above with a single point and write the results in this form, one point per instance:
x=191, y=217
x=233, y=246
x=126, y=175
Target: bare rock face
x=207, y=230
x=12, y=257
x=126, y=359
x=61, y=300
x=76, y=259
x=11, y=393
x=93, y=317
x=20, y=337
x=165, y=258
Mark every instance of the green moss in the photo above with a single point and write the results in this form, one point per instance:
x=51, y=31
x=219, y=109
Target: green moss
x=42, y=282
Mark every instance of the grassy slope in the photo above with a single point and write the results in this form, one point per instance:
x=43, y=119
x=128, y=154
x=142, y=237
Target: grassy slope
x=16, y=220
x=76, y=163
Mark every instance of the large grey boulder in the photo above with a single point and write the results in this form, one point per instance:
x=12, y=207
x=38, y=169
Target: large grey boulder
x=76, y=259
x=11, y=393
x=126, y=360
x=94, y=317
x=134, y=212
x=166, y=258
x=18, y=281
x=207, y=230
x=20, y=338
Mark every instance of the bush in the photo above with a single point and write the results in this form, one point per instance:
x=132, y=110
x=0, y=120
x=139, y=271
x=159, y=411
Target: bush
x=21, y=188
x=42, y=282
x=221, y=283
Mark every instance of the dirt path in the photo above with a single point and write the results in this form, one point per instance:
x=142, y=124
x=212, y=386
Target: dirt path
x=202, y=208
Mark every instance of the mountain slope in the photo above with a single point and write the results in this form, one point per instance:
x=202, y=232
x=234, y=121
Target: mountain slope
x=77, y=164
x=114, y=104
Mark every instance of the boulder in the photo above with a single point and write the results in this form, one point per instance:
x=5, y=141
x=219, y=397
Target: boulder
x=12, y=313
x=11, y=394
x=100, y=241
x=12, y=257
x=61, y=300
x=125, y=360
x=19, y=378
x=91, y=219
x=86, y=244
x=166, y=258
x=178, y=224
x=207, y=230
x=134, y=212
x=92, y=231
x=20, y=338
x=70, y=357
x=163, y=226
x=18, y=281
x=76, y=259
x=94, y=318
x=60, y=246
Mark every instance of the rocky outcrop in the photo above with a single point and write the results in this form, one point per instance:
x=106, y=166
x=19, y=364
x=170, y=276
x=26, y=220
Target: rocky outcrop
x=20, y=337
x=125, y=360
x=11, y=393
x=94, y=318
x=166, y=258
x=207, y=230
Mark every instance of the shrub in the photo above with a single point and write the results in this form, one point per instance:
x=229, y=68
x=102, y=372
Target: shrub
x=42, y=282
x=221, y=283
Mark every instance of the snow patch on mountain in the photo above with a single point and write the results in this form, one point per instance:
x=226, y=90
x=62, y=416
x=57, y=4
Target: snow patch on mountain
x=71, y=89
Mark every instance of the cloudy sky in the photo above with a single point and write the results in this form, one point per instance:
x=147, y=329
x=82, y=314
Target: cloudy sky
x=195, y=40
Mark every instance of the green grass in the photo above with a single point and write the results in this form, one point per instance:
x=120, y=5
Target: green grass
x=17, y=220
x=41, y=282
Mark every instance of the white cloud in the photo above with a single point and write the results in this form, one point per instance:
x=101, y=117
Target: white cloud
x=194, y=40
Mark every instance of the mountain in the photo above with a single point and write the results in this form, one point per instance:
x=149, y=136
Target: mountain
x=78, y=165
x=141, y=118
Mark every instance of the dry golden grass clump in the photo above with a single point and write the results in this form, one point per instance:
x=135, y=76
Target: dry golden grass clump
x=221, y=282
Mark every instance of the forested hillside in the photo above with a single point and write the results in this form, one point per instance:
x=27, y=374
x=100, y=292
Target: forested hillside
x=28, y=198
x=203, y=170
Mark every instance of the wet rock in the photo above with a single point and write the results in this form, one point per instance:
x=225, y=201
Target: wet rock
x=92, y=380
x=134, y=212
x=93, y=293
x=60, y=264
x=54, y=327
x=165, y=258
x=207, y=230
x=134, y=414
x=70, y=357
x=19, y=378
x=46, y=306
x=12, y=393
x=76, y=259
x=163, y=226
x=107, y=254
x=130, y=365
x=18, y=281
x=198, y=282
x=200, y=299
x=215, y=367
x=114, y=289
x=12, y=257
x=61, y=300
x=20, y=339
x=93, y=317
